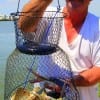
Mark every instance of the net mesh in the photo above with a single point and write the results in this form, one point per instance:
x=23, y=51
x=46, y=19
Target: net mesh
x=54, y=64
x=47, y=34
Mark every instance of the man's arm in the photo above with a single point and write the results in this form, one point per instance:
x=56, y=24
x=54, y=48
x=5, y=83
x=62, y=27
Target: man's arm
x=88, y=77
x=33, y=8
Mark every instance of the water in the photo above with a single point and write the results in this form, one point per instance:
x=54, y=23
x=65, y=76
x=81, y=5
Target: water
x=7, y=45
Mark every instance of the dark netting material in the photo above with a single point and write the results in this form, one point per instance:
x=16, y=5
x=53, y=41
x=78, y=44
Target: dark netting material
x=45, y=39
x=47, y=66
x=51, y=62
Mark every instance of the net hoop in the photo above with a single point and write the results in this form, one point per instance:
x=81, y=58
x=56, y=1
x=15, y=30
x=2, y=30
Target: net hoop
x=28, y=46
x=16, y=15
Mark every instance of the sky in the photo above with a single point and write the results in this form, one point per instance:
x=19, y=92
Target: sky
x=9, y=6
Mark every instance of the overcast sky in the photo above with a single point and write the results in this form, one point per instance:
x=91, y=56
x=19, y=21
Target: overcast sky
x=8, y=6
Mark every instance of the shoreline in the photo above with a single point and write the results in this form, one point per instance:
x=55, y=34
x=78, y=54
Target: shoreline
x=6, y=20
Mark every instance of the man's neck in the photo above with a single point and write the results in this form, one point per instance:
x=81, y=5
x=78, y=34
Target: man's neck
x=77, y=20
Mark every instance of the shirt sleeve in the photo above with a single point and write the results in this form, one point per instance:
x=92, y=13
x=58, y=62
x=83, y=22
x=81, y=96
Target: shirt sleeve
x=96, y=52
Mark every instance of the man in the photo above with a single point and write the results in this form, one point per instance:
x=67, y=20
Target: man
x=82, y=40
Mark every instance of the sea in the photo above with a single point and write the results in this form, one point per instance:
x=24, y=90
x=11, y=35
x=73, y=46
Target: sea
x=7, y=45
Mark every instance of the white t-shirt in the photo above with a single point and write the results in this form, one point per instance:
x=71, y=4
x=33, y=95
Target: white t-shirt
x=83, y=52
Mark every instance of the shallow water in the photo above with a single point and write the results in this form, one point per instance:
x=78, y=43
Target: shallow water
x=7, y=44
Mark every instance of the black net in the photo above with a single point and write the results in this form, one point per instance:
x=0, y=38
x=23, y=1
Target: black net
x=45, y=40
x=38, y=57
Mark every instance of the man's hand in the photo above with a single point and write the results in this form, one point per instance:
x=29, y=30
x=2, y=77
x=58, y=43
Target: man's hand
x=88, y=77
x=27, y=23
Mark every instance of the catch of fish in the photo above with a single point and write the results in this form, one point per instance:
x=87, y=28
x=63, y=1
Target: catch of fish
x=24, y=94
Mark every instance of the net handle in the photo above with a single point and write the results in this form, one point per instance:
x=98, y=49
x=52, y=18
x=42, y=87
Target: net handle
x=58, y=5
x=18, y=5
